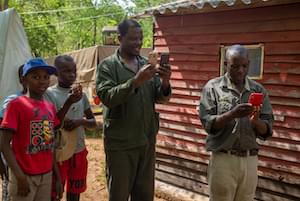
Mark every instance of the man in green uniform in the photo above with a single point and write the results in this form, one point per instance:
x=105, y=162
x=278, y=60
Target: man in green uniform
x=129, y=87
x=233, y=125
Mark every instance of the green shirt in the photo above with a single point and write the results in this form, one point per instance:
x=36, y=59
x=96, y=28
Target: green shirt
x=219, y=96
x=129, y=113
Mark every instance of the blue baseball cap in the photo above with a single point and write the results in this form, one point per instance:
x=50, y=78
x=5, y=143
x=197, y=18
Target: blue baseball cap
x=37, y=63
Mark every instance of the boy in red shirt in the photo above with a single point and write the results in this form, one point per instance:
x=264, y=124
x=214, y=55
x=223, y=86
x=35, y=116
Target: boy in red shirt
x=28, y=132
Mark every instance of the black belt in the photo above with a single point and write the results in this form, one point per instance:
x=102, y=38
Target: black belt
x=241, y=153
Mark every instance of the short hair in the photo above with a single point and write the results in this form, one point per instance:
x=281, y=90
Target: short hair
x=125, y=25
x=20, y=71
x=63, y=59
x=235, y=50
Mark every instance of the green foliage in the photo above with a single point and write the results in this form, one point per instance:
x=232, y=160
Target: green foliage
x=59, y=26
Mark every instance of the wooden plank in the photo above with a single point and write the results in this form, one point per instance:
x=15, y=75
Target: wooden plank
x=209, y=49
x=292, y=24
x=283, y=91
x=184, y=56
x=180, y=145
x=188, y=84
x=284, y=101
x=289, y=123
x=282, y=48
x=286, y=133
x=286, y=154
x=178, y=90
x=291, y=59
x=198, y=138
x=183, y=154
x=180, y=126
x=194, y=66
x=181, y=171
x=181, y=182
x=229, y=38
x=289, y=68
x=187, y=75
x=281, y=79
x=278, y=175
x=182, y=163
x=287, y=111
x=177, y=108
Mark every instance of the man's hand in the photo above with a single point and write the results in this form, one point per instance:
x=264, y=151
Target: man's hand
x=144, y=74
x=242, y=110
x=23, y=186
x=165, y=73
x=75, y=94
x=70, y=124
x=254, y=116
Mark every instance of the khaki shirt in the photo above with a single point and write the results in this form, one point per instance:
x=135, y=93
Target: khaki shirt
x=219, y=95
x=129, y=113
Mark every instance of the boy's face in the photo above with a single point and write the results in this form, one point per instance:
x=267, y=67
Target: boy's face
x=66, y=74
x=37, y=82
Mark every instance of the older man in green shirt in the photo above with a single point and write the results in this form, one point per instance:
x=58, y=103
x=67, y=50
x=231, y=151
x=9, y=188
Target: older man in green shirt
x=233, y=125
x=129, y=87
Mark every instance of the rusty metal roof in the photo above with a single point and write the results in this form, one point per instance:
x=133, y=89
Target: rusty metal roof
x=184, y=6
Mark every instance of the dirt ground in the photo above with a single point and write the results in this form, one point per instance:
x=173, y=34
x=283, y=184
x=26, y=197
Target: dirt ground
x=96, y=189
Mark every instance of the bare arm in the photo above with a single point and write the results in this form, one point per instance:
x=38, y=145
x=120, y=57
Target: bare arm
x=23, y=186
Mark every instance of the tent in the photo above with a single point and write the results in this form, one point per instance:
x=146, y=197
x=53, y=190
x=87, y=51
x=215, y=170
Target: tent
x=14, y=51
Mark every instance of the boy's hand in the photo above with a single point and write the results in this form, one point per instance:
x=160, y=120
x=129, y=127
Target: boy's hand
x=23, y=186
x=3, y=169
x=70, y=124
x=75, y=94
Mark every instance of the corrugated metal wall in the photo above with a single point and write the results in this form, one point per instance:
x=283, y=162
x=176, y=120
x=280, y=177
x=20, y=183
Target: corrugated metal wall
x=194, y=43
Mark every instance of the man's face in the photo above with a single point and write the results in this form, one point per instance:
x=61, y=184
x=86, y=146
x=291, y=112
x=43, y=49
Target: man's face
x=66, y=73
x=237, y=68
x=132, y=42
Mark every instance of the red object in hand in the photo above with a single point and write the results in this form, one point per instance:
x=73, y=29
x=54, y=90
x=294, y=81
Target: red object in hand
x=256, y=99
x=97, y=100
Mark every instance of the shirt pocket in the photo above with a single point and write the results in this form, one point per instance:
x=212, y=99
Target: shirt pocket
x=226, y=103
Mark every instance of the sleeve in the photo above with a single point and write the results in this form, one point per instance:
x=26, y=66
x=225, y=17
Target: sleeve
x=208, y=108
x=266, y=114
x=11, y=116
x=56, y=119
x=5, y=104
x=85, y=101
x=160, y=95
x=108, y=89
x=49, y=96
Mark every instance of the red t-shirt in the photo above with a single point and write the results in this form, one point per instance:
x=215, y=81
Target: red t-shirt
x=33, y=122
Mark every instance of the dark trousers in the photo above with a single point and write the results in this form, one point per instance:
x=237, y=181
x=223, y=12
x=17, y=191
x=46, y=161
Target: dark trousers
x=130, y=173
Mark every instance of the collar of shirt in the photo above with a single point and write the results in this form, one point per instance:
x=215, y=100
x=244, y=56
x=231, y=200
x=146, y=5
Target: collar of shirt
x=226, y=83
x=140, y=60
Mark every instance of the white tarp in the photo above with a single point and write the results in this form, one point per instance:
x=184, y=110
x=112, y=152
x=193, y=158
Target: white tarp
x=14, y=51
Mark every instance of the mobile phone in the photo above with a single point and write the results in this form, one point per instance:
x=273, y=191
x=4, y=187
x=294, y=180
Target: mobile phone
x=256, y=99
x=164, y=59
